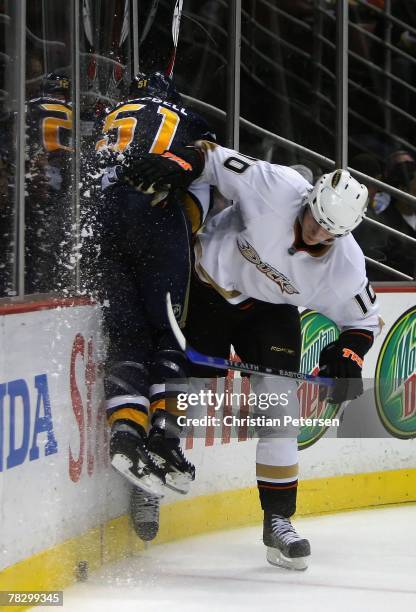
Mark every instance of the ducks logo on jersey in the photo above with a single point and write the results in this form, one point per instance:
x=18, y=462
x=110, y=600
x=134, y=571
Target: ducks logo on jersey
x=250, y=253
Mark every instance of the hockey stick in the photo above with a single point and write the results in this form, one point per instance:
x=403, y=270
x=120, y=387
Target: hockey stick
x=176, y=23
x=149, y=21
x=116, y=50
x=226, y=364
x=87, y=18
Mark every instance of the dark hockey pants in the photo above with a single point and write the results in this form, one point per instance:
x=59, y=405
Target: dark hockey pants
x=142, y=252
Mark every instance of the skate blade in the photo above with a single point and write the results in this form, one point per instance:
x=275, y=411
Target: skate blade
x=178, y=482
x=175, y=480
x=275, y=557
x=149, y=483
x=145, y=535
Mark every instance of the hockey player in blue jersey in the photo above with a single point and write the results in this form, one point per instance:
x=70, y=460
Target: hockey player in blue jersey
x=48, y=183
x=142, y=250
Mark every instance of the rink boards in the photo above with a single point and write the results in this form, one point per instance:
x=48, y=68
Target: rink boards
x=61, y=503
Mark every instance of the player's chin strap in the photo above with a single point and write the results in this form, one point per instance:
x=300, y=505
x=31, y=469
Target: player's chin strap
x=298, y=243
x=227, y=364
x=302, y=214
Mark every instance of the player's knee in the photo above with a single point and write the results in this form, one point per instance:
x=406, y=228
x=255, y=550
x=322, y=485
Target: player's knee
x=126, y=377
x=169, y=364
x=169, y=373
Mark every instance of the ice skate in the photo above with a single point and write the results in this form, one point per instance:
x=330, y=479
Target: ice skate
x=164, y=446
x=130, y=456
x=144, y=512
x=285, y=548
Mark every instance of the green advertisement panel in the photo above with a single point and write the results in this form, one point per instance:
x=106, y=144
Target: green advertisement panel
x=395, y=377
x=317, y=332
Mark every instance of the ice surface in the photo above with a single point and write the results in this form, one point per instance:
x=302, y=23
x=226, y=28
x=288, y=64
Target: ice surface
x=362, y=561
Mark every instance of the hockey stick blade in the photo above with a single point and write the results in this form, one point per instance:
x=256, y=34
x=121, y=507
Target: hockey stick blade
x=227, y=364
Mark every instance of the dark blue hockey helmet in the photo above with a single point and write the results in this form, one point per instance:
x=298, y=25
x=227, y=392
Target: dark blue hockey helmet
x=56, y=84
x=154, y=84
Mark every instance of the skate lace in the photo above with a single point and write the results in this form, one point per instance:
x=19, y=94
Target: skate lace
x=146, y=507
x=150, y=460
x=283, y=529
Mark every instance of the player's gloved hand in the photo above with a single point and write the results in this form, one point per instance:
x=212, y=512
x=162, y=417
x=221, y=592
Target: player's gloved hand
x=343, y=361
x=171, y=170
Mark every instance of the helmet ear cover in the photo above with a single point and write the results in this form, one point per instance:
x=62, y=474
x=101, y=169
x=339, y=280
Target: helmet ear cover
x=338, y=202
x=56, y=84
x=154, y=84
x=322, y=222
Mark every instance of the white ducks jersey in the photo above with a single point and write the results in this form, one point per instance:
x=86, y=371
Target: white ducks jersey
x=249, y=249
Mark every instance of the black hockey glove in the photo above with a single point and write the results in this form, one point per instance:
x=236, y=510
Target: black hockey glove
x=343, y=360
x=172, y=170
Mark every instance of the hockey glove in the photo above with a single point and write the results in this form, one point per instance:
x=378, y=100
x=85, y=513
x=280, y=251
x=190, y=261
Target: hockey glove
x=171, y=170
x=343, y=361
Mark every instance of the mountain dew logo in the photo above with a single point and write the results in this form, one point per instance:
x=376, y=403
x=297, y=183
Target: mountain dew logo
x=317, y=332
x=395, y=384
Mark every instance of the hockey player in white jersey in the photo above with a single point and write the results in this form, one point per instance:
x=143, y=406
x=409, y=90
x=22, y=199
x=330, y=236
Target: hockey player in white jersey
x=281, y=245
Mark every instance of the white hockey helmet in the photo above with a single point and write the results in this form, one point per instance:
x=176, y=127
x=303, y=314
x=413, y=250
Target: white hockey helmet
x=338, y=202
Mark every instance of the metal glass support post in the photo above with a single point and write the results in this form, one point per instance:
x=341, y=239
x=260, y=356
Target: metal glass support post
x=45, y=37
x=76, y=143
x=19, y=263
x=135, y=31
x=387, y=63
x=317, y=52
x=341, y=119
x=233, y=75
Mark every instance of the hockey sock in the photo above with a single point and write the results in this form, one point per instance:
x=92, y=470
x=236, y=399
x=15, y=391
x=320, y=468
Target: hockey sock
x=128, y=408
x=279, y=498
